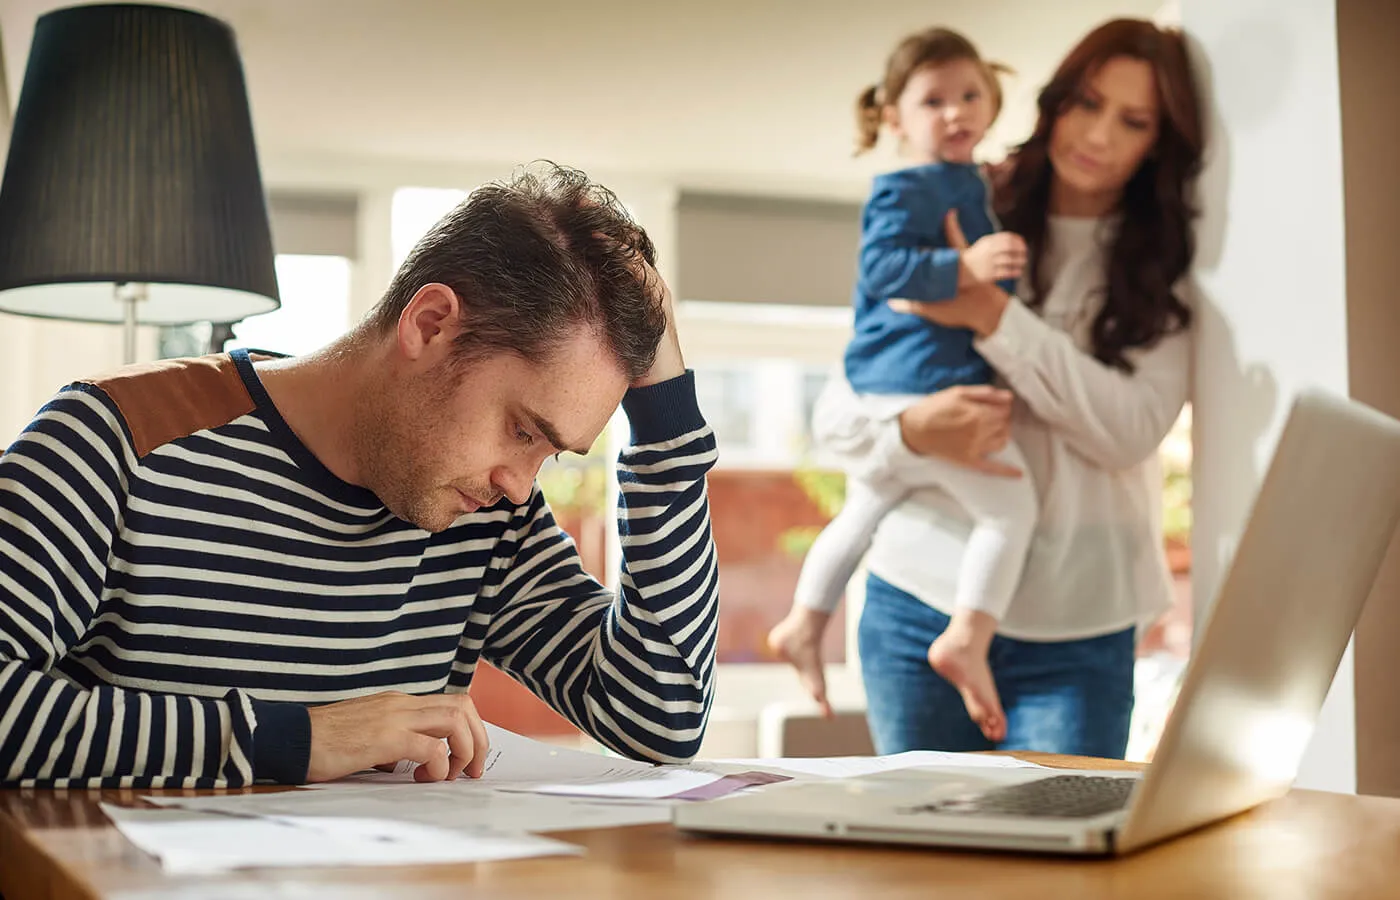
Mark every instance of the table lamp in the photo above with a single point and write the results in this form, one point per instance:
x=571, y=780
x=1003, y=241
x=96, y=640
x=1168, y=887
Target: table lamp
x=131, y=191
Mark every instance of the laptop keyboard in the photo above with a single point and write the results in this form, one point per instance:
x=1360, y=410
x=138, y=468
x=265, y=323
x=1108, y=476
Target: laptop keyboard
x=1058, y=797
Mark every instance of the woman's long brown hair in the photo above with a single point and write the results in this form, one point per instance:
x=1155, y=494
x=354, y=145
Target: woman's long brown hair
x=1154, y=244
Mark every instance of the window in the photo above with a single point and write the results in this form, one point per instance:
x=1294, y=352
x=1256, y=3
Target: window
x=315, y=307
x=814, y=378
x=726, y=394
x=315, y=310
x=414, y=211
x=758, y=371
x=580, y=493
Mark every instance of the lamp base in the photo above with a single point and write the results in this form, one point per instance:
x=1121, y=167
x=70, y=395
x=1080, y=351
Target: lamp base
x=130, y=295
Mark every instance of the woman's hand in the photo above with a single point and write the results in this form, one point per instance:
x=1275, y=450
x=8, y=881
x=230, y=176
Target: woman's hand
x=964, y=425
x=978, y=306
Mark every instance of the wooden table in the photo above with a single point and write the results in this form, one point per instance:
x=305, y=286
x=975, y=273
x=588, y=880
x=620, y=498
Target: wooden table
x=59, y=845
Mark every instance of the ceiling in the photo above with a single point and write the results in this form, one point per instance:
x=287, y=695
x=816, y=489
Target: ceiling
x=720, y=94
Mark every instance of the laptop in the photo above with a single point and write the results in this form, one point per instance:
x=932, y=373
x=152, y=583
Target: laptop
x=1249, y=701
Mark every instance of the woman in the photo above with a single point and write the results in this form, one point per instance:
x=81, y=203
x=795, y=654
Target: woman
x=1097, y=353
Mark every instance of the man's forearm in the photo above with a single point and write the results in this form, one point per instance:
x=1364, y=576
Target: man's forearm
x=636, y=673
x=654, y=679
x=53, y=734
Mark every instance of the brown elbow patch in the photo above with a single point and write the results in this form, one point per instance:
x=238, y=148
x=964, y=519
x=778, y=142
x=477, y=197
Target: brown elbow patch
x=170, y=399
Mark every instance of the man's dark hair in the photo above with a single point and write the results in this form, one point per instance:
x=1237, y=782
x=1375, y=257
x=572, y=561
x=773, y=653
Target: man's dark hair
x=533, y=259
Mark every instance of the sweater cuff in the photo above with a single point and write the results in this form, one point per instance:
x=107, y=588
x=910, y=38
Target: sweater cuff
x=663, y=411
x=1015, y=338
x=281, y=742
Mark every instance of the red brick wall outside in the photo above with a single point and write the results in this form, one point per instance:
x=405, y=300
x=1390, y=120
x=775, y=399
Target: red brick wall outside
x=750, y=511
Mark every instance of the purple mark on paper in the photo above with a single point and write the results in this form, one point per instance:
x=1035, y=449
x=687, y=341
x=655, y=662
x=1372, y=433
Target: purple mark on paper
x=728, y=785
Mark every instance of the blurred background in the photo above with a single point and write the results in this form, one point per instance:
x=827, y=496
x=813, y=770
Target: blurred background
x=726, y=127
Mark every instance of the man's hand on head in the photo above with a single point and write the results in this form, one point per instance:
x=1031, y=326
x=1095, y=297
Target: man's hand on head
x=669, y=363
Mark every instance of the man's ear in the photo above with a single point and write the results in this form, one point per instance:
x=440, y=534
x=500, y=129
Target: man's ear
x=430, y=322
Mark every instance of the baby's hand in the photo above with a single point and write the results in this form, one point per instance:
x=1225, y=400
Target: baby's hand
x=996, y=256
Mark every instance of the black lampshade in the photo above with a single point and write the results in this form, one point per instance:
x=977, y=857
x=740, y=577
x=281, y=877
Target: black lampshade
x=132, y=161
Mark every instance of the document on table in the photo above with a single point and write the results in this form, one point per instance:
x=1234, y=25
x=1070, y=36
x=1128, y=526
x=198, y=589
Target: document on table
x=460, y=805
x=666, y=784
x=519, y=764
x=531, y=786
x=193, y=842
x=855, y=766
x=515, y=761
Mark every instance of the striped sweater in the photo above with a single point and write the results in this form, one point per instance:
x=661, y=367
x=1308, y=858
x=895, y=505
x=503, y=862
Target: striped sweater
x=180, y=578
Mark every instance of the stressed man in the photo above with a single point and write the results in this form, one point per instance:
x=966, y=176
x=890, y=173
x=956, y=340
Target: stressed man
x=242, y=567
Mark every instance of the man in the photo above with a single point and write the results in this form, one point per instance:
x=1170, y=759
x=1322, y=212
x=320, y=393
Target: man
x=239, y=567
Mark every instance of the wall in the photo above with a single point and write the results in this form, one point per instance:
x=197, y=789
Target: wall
x=1367, y=35
x=359, y=95
x=1273, y=314
x=1293, y=273
x=732, y=93
x=39, y=356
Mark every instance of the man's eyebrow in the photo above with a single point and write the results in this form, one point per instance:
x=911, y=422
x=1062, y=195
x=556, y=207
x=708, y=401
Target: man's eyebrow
x=551, y=434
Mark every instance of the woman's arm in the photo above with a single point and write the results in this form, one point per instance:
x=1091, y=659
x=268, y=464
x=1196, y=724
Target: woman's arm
x=965, y=425
x=1113, y=418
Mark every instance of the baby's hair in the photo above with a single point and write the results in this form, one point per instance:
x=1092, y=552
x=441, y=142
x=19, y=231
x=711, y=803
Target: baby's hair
x=931, y=47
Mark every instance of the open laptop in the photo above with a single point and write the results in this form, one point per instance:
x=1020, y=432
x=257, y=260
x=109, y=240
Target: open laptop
x=1320, y=527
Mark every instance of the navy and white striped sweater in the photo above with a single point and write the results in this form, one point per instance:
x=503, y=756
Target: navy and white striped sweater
x=180, y=577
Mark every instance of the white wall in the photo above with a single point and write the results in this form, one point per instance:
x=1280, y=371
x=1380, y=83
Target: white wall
x=726, y=93
x=369, y=95
x=39, y=356
x=1272, y=269
x=1367, y=34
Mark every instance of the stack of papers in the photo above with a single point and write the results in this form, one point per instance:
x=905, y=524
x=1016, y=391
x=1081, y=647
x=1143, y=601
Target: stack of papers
x=855, y=766
x=386, y=818
x=192, y=842
x=457, y=805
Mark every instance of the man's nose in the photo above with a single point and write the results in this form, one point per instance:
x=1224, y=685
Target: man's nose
x=515, y=481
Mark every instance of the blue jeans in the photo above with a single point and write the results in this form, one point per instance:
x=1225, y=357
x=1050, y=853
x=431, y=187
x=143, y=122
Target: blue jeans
x=1059, y=696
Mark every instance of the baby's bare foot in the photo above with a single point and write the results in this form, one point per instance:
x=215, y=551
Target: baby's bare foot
x=797, y=639
x=967, y=670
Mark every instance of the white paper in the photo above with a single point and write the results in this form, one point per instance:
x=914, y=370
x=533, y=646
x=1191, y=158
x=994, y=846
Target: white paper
x=523, y=760
x=518, y=763
x=855, y=766
x=193, y=842
x=514, y=761
x=458, y=805
x=531, y=786
x=657, y=784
